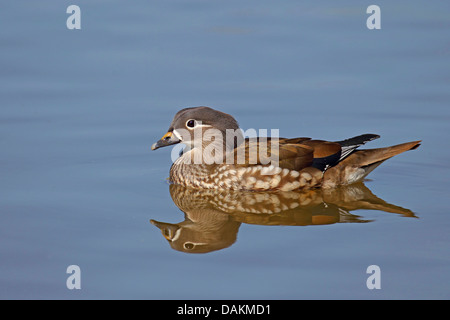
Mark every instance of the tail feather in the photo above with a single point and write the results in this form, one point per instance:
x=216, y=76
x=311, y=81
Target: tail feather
x=371, y=156
x=356, y=166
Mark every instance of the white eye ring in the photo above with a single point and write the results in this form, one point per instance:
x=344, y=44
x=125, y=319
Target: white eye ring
x=191, y=124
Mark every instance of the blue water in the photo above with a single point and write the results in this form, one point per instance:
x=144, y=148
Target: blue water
x=79, y=110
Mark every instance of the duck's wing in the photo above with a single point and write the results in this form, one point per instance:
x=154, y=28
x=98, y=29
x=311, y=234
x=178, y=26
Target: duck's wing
x=276, y=152
x=328, y=154
x=297, y=153
x=350, y=145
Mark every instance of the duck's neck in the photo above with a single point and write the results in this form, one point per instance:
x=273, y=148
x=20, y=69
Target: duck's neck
x=198, y=163
x=187, y=170
x=209, y=153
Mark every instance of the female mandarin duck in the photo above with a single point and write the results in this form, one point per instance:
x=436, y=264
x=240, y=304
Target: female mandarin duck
x=218, y=157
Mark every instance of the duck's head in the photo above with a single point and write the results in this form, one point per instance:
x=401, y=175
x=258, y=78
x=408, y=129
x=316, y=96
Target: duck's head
x=200, y=126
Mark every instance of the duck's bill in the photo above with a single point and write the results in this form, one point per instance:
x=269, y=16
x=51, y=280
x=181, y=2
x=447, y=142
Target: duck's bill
x=167, y=140
x=168, y=230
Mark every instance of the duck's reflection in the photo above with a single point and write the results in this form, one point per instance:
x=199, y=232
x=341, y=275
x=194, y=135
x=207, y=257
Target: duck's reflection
x=212, y=218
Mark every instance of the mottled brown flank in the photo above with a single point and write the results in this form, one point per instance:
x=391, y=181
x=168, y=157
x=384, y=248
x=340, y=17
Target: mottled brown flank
x=255, y=178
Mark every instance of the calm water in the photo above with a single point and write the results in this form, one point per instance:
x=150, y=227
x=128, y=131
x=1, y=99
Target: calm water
x=79, y=110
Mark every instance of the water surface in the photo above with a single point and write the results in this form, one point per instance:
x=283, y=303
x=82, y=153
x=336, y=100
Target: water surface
x=79, y=110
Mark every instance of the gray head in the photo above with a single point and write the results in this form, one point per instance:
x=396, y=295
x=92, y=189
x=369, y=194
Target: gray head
x=197, y=125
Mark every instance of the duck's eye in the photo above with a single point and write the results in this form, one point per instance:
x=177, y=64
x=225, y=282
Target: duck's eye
x=189, y=245
x=190, y=123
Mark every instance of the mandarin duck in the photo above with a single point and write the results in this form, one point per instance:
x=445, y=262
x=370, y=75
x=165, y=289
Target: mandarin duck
x=217, y=156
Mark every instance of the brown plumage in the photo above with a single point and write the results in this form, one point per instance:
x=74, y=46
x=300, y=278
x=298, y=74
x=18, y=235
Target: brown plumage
x=212, y=161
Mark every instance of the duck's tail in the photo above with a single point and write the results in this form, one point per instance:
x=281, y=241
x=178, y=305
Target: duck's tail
x=358, y=164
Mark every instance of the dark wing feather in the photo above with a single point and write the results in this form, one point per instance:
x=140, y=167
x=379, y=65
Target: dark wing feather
x=326, y=154
x=350, y=145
